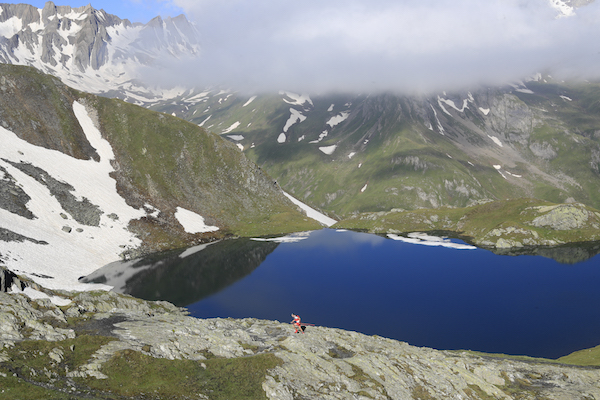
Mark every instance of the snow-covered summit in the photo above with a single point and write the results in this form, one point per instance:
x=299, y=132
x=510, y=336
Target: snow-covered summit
x=89, y=49
x=567, y=8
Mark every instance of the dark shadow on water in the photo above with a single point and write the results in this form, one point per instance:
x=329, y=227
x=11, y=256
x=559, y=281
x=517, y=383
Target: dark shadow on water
x=182, y=281
x=566, y=254
x=540, y=302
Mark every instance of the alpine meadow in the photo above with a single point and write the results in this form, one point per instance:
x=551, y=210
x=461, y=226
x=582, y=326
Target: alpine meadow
x=122, y=140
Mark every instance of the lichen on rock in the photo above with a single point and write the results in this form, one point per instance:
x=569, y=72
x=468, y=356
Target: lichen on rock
x=562, y=217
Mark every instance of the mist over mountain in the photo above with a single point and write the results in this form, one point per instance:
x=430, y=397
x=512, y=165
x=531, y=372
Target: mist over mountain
x=386, y=46
x=406, y=116
x=396, y=144
x=267, y=46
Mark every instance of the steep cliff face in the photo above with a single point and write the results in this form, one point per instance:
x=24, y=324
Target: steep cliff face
x=90, y=49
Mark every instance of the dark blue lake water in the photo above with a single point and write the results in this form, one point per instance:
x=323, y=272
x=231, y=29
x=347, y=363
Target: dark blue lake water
x=431, y=296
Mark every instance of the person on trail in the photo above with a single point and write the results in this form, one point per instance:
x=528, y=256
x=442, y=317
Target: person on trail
x=296, y=323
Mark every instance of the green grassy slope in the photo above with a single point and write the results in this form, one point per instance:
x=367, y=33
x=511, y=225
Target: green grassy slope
x=500, y=224
x=160, y=160
x=420, y=152
x=171, y=162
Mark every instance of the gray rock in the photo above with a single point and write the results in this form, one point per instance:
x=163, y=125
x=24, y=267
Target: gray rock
x=10, y=236
x=562, y=217
x=12, y=197
x=543, y=150
x=82, y=211
x=323, y=363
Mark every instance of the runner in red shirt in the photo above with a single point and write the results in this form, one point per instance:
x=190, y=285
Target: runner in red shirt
x=296, y=322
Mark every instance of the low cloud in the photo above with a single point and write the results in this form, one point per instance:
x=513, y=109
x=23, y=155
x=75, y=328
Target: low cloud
x=385, y=45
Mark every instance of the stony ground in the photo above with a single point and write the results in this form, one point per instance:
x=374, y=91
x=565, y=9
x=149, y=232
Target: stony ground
x=323, y=363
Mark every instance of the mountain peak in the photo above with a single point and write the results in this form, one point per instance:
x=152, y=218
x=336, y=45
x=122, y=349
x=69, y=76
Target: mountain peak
x=90, y=49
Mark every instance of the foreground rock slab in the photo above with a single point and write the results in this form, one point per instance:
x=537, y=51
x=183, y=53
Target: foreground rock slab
x=323, y=363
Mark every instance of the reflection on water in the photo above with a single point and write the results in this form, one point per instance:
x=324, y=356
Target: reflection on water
x=183, y=277
x=565, y=254
x=419, y=289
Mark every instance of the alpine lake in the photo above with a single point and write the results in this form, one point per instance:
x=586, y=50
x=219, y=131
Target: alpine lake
x=423, y=290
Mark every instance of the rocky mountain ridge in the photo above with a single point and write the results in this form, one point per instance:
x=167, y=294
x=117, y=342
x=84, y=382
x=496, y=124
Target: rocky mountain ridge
x=341, y=153
x=523, y=226
x=323, y=363
x=347, y=154
x=92, y=50
x=86, y=180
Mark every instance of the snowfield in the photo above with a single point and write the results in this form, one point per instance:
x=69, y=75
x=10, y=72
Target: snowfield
x=428, y=240
x=328, y=149
x=296, y=99
x=192, y=222
x=338, y=119
x=311, y=212
x=55, y=250
x=232, y=127
x=295, y=117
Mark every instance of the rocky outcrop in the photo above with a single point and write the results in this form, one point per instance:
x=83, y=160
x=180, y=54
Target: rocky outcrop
x=323, y=363
x=8, y=279
x=501, y=226
x=562, y=217
x=90, y=47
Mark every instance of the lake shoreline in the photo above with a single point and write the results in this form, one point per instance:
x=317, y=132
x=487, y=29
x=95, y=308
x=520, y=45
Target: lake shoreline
x=322, y=363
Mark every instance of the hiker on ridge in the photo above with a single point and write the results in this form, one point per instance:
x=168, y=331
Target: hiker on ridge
x=296, y=323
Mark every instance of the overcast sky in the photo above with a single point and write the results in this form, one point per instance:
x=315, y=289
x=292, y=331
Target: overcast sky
x=374, y=45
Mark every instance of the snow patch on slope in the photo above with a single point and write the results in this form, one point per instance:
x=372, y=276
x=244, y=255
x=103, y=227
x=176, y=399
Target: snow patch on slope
x=311, y=212
x=192, y=222
x=322, y=136
x=297, y=99
x=56, y=258
x=250, y=100
x=295, y=116
x=10, y=27
x=328, y=149
x=439, y=124
x=291, y=238
x=453, y=105
x=232, y=127
x=335, y=120
x=428, y=240
x=496, y=140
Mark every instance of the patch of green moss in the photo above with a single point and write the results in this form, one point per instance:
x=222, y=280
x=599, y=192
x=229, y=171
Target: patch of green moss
x=33, y=354
x=251, y=347
x=364, y=379
x=31, y=373
x=475, y=392
x=587, y=357
x=132, y=373
x=12, y=387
